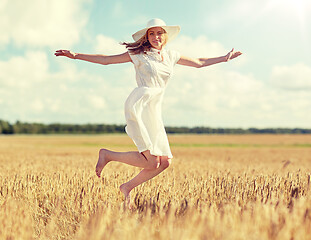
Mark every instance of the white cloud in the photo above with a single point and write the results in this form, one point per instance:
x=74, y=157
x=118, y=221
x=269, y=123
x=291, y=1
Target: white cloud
x=216, y=96
x=97, y=101
x=220, y=98
x=208, y=91
x=108, y=45
x=198, y=47
x=37, y=105
x=295, y=77
x=211, y=96
x=22, y=71
x=42, y=22
x=31, y=91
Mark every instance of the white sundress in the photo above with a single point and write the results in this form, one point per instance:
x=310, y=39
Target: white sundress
x=143, y=107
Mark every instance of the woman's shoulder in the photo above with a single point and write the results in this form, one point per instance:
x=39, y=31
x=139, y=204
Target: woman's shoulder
x=137, y=57
x=170, y=51
x=173, y=54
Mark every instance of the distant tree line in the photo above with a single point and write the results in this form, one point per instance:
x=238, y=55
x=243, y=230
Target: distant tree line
x=60, y=128
x=55, y=128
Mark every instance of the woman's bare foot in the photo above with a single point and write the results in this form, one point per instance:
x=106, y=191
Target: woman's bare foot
x=127, y=196
x=102, y=161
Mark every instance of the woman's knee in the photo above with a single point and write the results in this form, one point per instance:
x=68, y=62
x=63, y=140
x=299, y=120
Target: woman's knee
x=153, y=161
x=165, y=162
x=102, y=152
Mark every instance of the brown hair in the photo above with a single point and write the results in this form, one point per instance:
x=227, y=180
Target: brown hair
x=141, y=45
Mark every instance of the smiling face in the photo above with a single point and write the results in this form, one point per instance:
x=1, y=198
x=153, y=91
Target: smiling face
x=157, y=37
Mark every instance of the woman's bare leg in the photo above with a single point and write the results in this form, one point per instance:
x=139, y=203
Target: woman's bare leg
x=135, y=159
x=143, y=176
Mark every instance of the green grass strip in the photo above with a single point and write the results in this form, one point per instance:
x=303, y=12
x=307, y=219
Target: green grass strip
x=232, y=145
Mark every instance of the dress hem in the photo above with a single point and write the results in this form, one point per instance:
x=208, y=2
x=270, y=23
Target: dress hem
x=152, y=153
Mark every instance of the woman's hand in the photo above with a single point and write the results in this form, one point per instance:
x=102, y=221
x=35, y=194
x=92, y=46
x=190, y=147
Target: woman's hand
x=65, y=53
x=232, y=55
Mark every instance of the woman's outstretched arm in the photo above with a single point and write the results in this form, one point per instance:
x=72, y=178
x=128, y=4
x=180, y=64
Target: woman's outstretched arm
x=96, y=58
x=203, y=62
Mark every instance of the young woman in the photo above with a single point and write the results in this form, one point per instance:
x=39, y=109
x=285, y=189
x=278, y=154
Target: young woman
x=154, y=66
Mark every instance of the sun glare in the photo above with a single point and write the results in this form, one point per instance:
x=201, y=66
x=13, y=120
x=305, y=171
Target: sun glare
x=292, y=9
x=299, y=6
x=293, y=13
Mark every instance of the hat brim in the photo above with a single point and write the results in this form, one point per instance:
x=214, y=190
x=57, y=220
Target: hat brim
x=172, y=32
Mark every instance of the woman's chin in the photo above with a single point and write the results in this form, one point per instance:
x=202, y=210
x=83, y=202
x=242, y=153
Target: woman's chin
x=157, y=46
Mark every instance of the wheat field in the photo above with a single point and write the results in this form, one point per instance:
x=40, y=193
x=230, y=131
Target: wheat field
x=218, y=187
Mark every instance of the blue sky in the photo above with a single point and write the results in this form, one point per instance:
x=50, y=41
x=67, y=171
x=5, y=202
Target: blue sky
x=268, y=86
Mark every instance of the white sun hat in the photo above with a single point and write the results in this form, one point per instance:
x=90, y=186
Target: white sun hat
x=172, y=31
